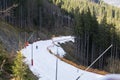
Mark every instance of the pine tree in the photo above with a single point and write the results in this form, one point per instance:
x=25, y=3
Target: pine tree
x=19, y=69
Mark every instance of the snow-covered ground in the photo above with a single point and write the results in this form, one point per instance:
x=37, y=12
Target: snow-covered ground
x=113, y=2
x=111, y=77
x=44, y=63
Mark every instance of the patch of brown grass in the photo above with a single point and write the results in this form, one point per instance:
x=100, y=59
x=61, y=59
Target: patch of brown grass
x=80, y=66
x=83, y=67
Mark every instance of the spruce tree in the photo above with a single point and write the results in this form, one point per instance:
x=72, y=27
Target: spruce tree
x=19, y=69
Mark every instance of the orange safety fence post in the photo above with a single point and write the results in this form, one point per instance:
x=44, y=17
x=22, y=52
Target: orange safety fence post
x=26, y=44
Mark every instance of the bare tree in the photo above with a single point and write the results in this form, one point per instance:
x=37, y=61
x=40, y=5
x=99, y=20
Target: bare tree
x=1, y=66
x=7, y=11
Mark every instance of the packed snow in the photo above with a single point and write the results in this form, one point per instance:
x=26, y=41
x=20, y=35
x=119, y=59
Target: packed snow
x=44, y=63
x=111, y=77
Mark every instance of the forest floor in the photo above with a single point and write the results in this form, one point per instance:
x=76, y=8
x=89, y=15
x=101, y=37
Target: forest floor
x=68, y=47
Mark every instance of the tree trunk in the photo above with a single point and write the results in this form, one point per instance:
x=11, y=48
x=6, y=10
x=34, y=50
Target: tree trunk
x=40, y=18
x=87, y=50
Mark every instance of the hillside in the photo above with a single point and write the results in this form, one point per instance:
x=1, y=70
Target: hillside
x=94, y=26
x=9, y=44
x=9, y=36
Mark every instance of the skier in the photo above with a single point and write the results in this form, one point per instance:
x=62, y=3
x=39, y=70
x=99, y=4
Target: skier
x=36, y=47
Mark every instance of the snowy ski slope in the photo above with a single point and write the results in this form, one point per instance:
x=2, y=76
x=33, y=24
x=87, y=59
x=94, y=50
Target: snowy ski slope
x=44, y=63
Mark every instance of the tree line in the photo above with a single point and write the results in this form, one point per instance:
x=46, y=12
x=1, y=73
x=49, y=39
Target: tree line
x=35, y=14
x=96, y=27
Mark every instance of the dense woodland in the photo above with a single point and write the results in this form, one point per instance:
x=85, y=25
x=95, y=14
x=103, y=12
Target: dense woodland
x=34, y=14
x=95, y=26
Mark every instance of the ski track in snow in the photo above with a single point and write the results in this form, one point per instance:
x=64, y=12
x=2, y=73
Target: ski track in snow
x=44, y=63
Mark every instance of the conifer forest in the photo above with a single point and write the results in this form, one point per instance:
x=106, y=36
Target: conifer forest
x=94, y=24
